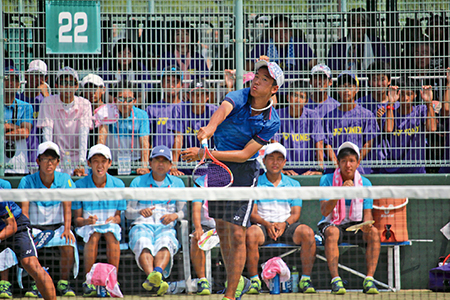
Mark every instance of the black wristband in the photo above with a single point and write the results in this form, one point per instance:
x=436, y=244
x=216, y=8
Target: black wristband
x=287, y=224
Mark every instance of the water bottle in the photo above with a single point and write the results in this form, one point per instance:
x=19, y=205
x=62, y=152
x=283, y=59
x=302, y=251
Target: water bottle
x=176, y=287
x=274, y=285
x=294, y=279
x=286, y=286
x=101, y=291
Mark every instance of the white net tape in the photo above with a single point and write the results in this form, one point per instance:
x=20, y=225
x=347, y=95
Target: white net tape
x=235, y=193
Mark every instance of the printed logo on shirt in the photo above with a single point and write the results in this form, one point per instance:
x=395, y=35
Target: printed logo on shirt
x=70, y=184
x=162, y=121
x=298, y=137
x=408, y=131
x=348, y=130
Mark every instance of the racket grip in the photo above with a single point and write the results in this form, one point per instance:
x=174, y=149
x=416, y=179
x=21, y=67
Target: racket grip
x=204, y=143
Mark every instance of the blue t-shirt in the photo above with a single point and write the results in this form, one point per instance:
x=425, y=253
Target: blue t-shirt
x=240, y=126
x=102, y=209
x=24, y=113
x=4, y=184
x=8, y=209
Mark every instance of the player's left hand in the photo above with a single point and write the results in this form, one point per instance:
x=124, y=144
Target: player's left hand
x=168, y=218
x=366, y=228
x=112, y=219
x=68, y=236
x=191, y=154
x=427, y=93
x=348, y=183
x=279, y=228
x=381, y=112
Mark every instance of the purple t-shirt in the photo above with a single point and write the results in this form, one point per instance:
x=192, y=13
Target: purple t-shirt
x=139, y=72
x=197, y=64
x=161, y=116
x=323, y=108
x=407, y=142
x=189, y=123
x=370, y=103
x=299, y=136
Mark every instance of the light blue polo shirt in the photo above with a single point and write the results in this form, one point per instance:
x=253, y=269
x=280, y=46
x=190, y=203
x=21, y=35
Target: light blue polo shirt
x=277, y=210
x=46, y=212
x=24, y=112
x=102, y=209
x=4, y=184
x=240, y=126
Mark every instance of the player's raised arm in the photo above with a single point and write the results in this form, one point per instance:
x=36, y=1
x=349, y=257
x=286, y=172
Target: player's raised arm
x=216, y=119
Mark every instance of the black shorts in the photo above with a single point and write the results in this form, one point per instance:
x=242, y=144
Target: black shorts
x=237, y=212
x=22, y=241
x=344, y=236
x=285, y=238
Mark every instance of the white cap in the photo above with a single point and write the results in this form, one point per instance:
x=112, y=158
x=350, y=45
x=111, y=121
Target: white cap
x=48, y=146
x=100, y=149
x=349, y=145
x=94, y=79
x=274, y=70
x=37, y=66
x=67, y=71
x=275, y=147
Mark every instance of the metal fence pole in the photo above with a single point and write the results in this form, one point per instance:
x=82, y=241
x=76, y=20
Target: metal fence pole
x=2, y=78
x=239, y=43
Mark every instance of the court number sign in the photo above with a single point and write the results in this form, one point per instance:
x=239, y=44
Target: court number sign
x=73, y=27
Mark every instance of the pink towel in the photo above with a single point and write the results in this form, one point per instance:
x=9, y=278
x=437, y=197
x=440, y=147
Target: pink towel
x=356, y=208
x=105, y=275
x=275, y=266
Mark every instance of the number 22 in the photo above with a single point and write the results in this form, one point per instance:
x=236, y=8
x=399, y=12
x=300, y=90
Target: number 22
x=68, y=27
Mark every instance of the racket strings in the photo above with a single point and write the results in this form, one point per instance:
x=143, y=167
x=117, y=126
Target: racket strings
x=213, y=175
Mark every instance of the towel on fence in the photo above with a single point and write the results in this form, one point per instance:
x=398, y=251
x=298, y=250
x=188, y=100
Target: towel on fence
x=105, y=275
x=275, y=266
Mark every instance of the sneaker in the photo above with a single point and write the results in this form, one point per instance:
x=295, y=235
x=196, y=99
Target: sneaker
x=369, y=286
x=89, y=290
x=5, y=289
x=34, y=293
x=337, y=287
x=242, y=288
x=305, y=286
x=154, y=279
x=203, y=287
x=255, y=286
x=163, y=287
x=64, y=288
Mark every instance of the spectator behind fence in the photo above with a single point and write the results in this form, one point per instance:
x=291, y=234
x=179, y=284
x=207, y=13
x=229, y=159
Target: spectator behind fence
x=55, y=216
x=182, y=51
x=152, y=235
x=301, y=132
x=161, y=114
x=66, y=119
x=408, y=127
x=193, y=115
x=129, y=136
x=321, y=80
x=446, y=114
x=438, y=31
x=358, y=49
x=339, y=214
x=93, y=88
x=94, y=219
x=18, y=116
x=350, y=122
x=125, y=66
x=277, y=221
x=283, y=45
x=36, y=89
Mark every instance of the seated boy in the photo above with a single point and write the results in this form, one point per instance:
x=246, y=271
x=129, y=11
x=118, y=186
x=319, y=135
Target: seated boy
x=339, y=214
x=152, y=236
x=105, y=215
x=277, y=221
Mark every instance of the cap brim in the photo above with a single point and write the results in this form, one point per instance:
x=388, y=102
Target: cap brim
x=261, y=63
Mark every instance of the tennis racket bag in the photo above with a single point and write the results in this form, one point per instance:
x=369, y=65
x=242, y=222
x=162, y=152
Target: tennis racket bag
x=439, y=278
x=390, y=219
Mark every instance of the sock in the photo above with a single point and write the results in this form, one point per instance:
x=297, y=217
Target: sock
x=158, y=269
x=254, y=277
x=305, y=277
x=224, y=297
x=335, y=278
x=368, y=277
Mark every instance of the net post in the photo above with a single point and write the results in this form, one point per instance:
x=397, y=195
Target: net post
x=2, y=78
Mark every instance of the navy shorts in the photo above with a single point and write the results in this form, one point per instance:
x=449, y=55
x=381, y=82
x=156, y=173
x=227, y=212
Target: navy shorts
x=237, y=212
x=22, y=241
x=285, y=238
x=344, y=236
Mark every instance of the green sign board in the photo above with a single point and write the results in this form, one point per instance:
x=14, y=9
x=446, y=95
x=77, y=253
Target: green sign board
x=72, y=27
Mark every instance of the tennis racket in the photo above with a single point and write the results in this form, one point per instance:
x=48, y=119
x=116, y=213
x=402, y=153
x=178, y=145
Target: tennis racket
x=357, y=227
x=211, y=172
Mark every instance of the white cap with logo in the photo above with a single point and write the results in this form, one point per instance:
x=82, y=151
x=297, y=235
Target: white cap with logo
x=99, y=149
x=48, y=146
x=275, y=147
x=349, y=145
x=37, y=66
x=94, y=79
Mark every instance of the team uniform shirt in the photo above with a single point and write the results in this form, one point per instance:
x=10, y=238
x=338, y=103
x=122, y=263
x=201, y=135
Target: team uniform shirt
x=407, y=143
x=46, y=212
x=33, y=139
x=124, y=131
x=197, y=67
x=17, y=113
x=188, y=123
x=277, y=210
x=323, y=108
x=327, y=180
x=66, y=120
x=4, y=184
x=299, y=135
x=161, y=117
x=240, y=126
x=8, y=209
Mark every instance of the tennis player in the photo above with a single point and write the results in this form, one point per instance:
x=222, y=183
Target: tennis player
x=244, y=122
x=339, y=214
